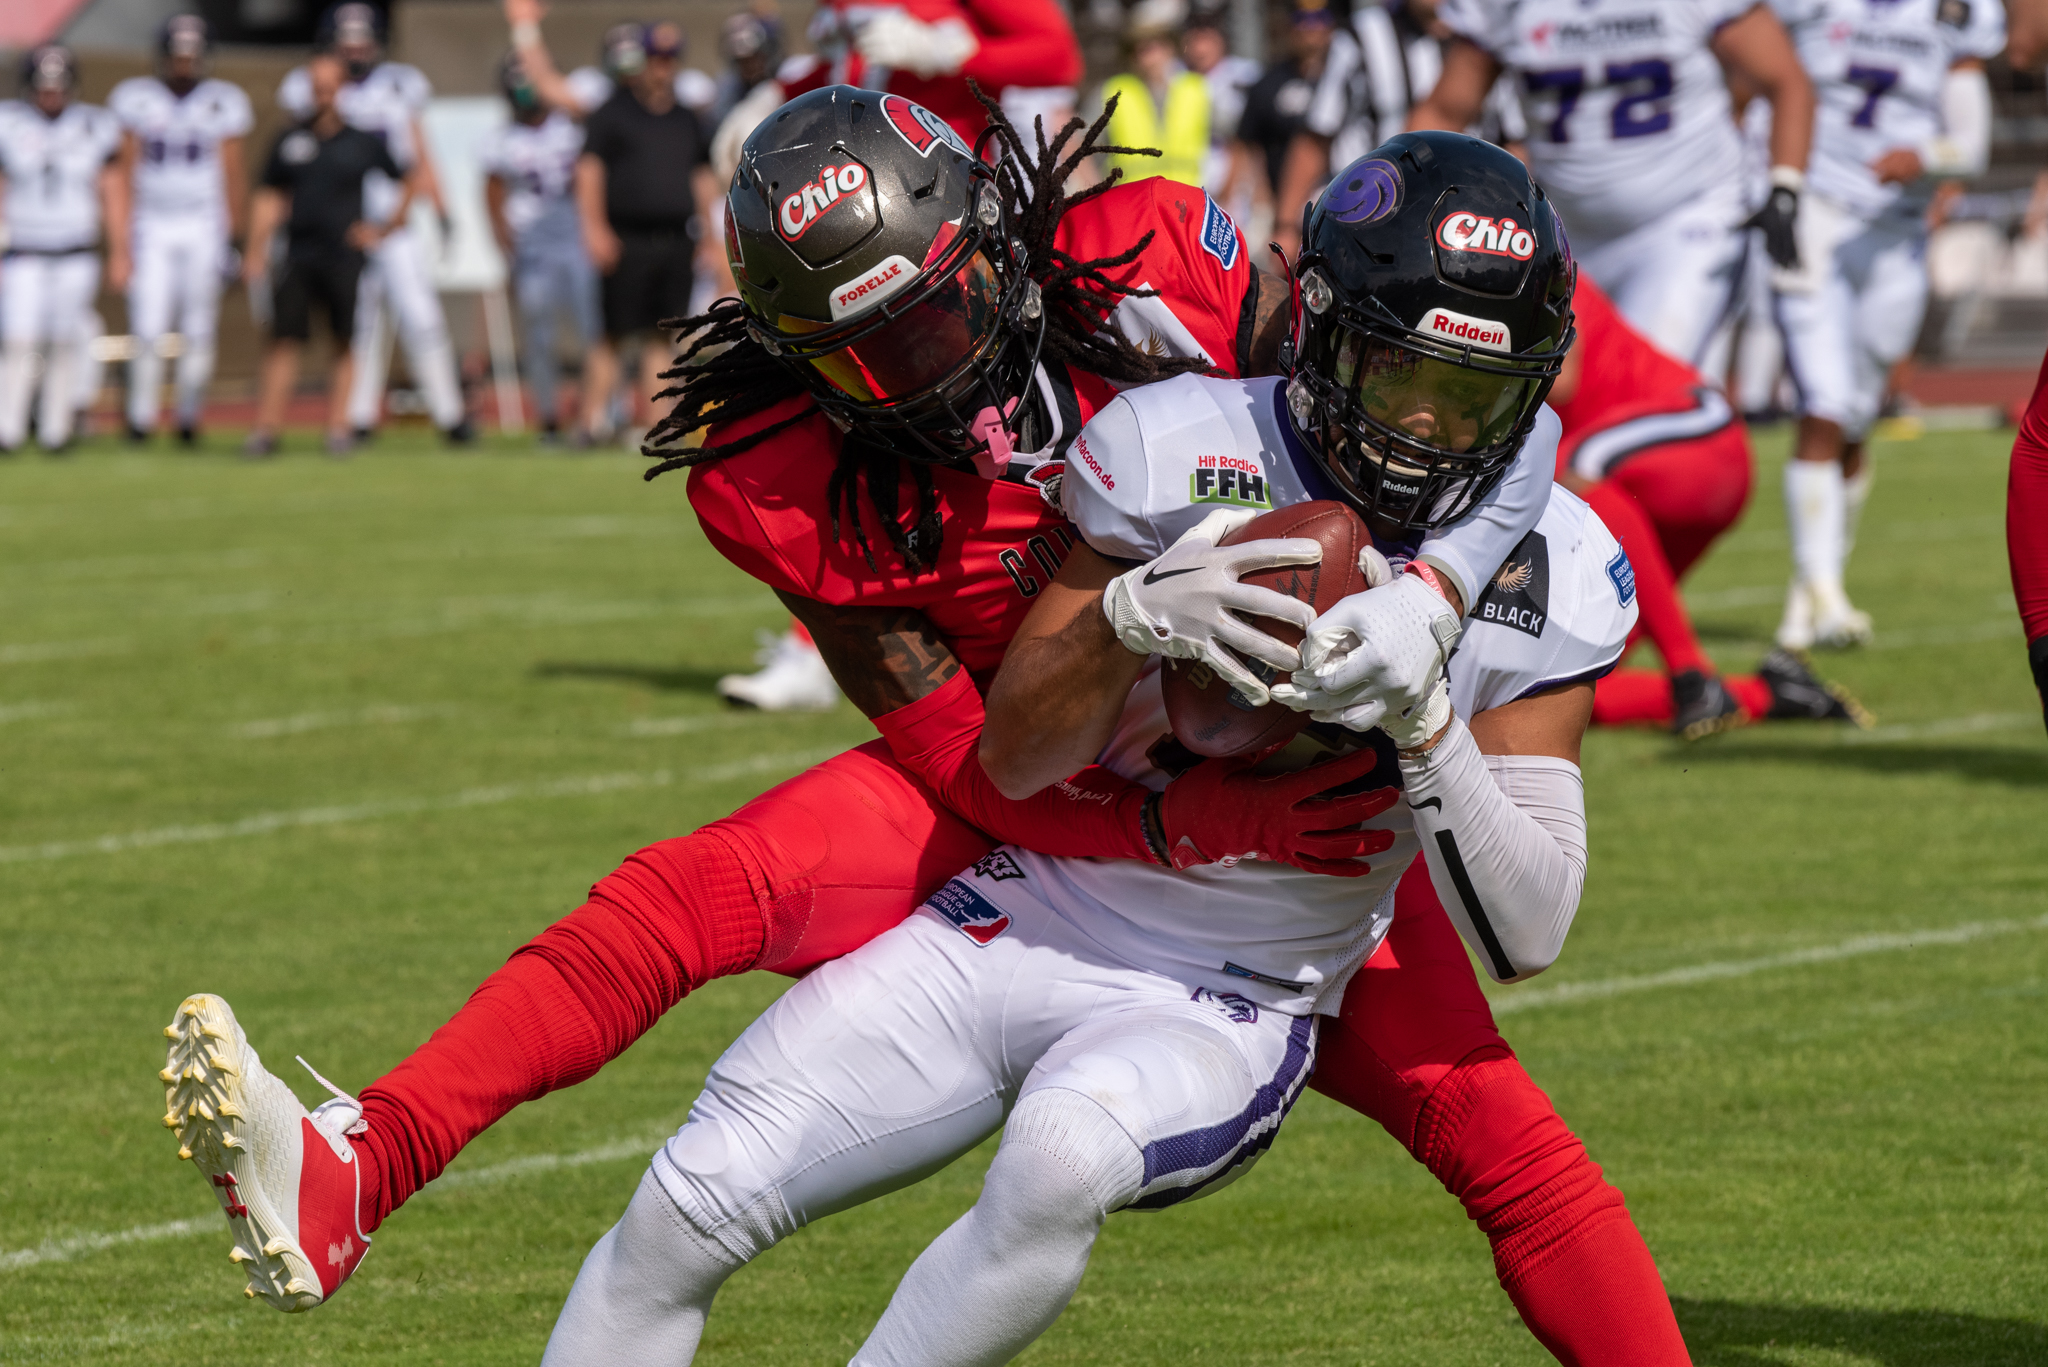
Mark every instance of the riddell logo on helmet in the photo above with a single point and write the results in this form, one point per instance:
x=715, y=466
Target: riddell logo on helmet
x=1465, y=330
x=1462, y=232
x=797, y=212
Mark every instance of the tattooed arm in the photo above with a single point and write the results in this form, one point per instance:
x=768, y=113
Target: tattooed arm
x=882, y=658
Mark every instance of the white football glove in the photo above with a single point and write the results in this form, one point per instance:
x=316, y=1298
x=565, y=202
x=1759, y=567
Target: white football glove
x=1377, y=659
x=893, y=39
x=1185, y=604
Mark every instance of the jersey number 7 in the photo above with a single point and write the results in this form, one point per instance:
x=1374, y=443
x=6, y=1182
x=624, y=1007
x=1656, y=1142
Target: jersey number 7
x=1873, y=81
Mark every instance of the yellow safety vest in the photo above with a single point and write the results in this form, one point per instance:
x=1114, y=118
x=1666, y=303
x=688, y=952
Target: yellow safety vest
x=1184, y=139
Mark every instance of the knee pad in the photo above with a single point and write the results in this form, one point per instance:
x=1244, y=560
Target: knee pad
x=1082, y=1139
x=708, y=1177
x=1491, y=1136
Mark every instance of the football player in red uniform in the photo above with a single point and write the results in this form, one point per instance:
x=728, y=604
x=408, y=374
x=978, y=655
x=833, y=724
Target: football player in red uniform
x=913, y=573
x=1663, y=459
x=2026, y=530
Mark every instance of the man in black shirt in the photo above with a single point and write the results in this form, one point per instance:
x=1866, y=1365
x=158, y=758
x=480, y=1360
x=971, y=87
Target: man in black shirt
x=644, y=162
x=313, y=188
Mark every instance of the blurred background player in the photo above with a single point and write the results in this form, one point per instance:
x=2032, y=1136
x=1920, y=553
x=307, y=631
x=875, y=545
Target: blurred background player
x=386, y=98
x=1903, y=99
x=315, y=186
x=624, y=45
x=1631, y=133
x=2026, y=531
x=1160, y=104
x=1275, y=109
x=1659, y=454
x=1205, y=49
x=182, y=158
x=62, y=190
x=529, y=187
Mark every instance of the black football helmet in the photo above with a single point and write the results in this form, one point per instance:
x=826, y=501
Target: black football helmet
x=517, y=88
x=354, y=32
x=1433, y=310
x=872, y=251
x=183, y=37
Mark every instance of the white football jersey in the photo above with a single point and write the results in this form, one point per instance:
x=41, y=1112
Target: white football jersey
x=1152, y=464
x=1878, y=67
x=1627, y=107
x=388, y=100
x=53, y=174
x=177, y=166
x=537, y=162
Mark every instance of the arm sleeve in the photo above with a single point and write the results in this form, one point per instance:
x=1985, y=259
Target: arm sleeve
x=1472, y=548
x=1505, y=839
x=1022, y=42
x=1096, y=814
x=1963, y=147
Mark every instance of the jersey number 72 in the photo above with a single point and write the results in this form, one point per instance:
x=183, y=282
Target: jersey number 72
x=1642, y=108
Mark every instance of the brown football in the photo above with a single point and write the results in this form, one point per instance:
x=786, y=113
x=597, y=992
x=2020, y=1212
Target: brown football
x=1210, y=717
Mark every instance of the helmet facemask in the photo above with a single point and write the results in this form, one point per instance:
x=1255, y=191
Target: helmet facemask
x=939, y=370
x=1414, y=428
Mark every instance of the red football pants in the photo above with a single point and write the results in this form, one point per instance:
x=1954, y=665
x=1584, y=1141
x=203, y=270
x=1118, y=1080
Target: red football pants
x=823, y=863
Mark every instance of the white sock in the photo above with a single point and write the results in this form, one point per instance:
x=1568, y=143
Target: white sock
x=644, y=1292
x=195, y=372
x=145, y=384
x=61, y=376
x=1855, y=493
x=433, y=368
x=1003, y=1272
x=1814, y=510
x=17, y=374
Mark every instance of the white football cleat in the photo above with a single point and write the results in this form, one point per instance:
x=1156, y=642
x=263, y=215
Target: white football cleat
x=287, y=1178
x=795, y=679
x=1795, y=628
x=1836, y=624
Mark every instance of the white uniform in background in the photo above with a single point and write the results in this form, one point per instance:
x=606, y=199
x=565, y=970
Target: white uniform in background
x=1229, y=82
x=388, y=100
x=1631, y=135
x=1376, y=71
x=180, y=239
x=1886, y=77
x=1142, y=1030
x=695, y=89
x=51, y=271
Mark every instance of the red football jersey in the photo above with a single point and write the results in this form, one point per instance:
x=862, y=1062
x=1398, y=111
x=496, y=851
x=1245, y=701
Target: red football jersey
x=766, y=510
x=1624, y=376
x=1019, y=42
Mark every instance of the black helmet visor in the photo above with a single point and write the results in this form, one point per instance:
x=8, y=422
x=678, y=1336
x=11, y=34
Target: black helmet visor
x=1436, y=403
x=917, y=346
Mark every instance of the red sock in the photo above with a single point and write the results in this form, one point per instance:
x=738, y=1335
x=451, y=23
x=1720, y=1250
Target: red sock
x=669, y=919
x=1752, y=692
x=1562, y=1237
x=1663, y=614
x=1642, y=697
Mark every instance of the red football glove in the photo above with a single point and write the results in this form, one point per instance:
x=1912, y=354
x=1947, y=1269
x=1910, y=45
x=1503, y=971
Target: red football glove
x=1221, y=812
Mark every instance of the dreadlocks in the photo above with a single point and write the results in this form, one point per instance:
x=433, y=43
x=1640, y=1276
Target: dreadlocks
x=727, y=374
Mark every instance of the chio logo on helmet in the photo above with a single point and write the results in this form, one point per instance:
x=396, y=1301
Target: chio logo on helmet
x=799, y=211
x=1465, y=232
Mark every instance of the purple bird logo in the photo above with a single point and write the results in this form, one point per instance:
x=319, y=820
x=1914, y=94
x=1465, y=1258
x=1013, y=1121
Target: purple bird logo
x=1366, y=191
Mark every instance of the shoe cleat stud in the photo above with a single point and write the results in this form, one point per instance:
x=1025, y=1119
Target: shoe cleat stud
x=250, y=1292
x=168, y=1075
x=171, y=1121
x=200, y=1107
x=185, y=1154
x=276, y=1248
x=170, y=1032
x=228, y=1141
x=298, y=1286
x=238, y=1254
x=229, y=1111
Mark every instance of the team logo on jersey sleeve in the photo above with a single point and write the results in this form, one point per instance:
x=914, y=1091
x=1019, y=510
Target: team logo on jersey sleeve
x=1623, y=576
x=1219, y=234
x=921, y=128
x=1366, y=191
x=1519, y=595
x=1469, y=232
x=1229, y=479
x=998, y=865
x=973, y=915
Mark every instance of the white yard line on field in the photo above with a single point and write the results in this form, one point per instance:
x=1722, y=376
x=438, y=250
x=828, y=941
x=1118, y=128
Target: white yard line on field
x=55, y=1250
x=35, y=652
x=389, y=715
x=1515, y=999
x=264, y=823
x=29, y=711
x=1945, y=726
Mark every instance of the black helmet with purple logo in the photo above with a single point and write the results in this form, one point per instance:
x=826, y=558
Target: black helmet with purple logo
x=872, y=250
x=1434, y=296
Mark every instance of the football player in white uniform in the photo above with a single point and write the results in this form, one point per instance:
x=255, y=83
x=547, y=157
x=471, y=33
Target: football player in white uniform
x=529, y=186
x=387, y=98
x=62, y=190
x=1903, y=99
x=1139, y=1034
x=1630, y=130
x=181, y=153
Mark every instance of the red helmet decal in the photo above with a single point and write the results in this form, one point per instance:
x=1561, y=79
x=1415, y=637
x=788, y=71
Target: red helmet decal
x=1467, y=232
x=921, y=128
x=819, y=196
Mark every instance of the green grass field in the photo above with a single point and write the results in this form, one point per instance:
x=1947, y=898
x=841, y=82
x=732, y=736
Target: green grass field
x=332, y=738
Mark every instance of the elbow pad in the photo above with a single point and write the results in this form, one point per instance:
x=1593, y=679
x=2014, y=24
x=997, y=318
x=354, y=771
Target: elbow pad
x=1964, y=147
x=1505, y=839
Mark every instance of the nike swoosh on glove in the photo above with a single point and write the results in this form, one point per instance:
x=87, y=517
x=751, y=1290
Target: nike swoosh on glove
x=1377, y=659
x=893, y=39
x=1220, y=812
x=1185, y=604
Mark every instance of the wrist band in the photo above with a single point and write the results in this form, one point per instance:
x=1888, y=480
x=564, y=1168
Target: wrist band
x=1427, y=576
x=526, y=33
x=1788, y=178
x=1154, y=832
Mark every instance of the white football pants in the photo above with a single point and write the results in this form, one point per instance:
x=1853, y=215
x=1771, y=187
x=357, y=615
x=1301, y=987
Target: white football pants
x=1123, y=1090
x=1851, y=311
x=1676, y=278
x=45, y=302
x=396, y=278
x=176, y=287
